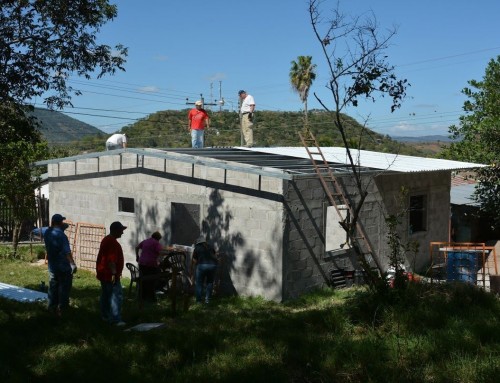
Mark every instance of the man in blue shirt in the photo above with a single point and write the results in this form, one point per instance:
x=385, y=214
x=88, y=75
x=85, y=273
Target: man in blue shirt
x=61, y=264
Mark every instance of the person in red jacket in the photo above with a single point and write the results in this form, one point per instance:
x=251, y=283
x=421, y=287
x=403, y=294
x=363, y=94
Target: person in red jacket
x=198, y=120
x=109, y=267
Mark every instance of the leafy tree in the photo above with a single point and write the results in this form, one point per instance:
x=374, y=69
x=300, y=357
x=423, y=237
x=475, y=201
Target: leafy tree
x=20, y=146
x=479, y=134
x=302, y=75
x=355, y=54
x=43, y=42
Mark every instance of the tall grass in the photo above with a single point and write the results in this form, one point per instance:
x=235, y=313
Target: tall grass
x=445, y=333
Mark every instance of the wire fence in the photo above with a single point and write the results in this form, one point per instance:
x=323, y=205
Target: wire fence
x=38, y=217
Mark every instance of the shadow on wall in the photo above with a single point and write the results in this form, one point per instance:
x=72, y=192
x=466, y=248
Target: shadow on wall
x=216, y=228
x=150, y=223
x=182, y=227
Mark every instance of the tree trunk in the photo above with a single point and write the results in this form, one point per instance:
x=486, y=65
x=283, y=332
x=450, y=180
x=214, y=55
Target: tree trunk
x=306, y=120
x=16, y=234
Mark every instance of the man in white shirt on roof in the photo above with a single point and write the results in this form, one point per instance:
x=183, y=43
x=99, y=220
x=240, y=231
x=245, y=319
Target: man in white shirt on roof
x=116, y=141
x=246, y=113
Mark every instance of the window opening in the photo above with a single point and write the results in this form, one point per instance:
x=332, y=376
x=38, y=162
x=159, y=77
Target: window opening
x=418, y=213
x=126, y=205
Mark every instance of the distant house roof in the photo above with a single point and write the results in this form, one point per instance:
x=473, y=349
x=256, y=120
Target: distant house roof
x=375, y=160
x=463, y=179
x=463, y=195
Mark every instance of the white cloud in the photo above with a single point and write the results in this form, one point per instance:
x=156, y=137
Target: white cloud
x=149, y=89
x=217, y=76
x=404, y=128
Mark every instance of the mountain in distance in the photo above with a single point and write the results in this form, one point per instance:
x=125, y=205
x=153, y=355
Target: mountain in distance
x=167, y=129
x=431, y=138
x=59, y=129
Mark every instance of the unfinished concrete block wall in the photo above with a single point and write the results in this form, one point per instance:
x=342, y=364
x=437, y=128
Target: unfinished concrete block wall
x=304, y=264
x=242, y=213
x=435, y=186
x=305, y=261
x=371, y=218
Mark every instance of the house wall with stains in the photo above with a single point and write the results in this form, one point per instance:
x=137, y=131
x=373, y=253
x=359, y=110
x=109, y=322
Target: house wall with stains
x=241, y=214
x=306, y=263
x=272, y=232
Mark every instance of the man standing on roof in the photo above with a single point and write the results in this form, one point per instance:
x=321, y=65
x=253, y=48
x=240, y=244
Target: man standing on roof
x=198, y=120
x=246, y=116
x=61, y=265
x=116, y=141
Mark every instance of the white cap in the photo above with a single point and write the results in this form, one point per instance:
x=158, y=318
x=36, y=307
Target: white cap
x=198, y=103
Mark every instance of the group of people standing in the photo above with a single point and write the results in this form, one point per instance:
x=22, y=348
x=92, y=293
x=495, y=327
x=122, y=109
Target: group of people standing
x=199, y=120
x=109, y=267
x=62, y=267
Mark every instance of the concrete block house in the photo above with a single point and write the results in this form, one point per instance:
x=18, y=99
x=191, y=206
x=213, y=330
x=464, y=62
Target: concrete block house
x=264, y=208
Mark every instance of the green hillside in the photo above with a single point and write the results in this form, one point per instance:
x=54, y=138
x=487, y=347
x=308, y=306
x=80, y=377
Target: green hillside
x=169, y=129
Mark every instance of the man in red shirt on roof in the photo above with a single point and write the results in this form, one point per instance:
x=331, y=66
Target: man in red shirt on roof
x=198, y=120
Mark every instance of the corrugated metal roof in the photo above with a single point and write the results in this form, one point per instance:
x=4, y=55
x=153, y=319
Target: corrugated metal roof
x=374, y=160
x=463, y=195
x=283, y=162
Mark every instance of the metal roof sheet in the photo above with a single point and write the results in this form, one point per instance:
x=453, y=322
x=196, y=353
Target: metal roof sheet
x=21, y=294
x=283, y=162
x=463, y=195
x=374, y=160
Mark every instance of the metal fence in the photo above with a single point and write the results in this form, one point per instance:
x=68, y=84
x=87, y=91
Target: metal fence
x=39, y=217
x=85, y=244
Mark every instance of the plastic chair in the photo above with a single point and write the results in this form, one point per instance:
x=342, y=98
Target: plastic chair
x=134, y=276
x=175, y=263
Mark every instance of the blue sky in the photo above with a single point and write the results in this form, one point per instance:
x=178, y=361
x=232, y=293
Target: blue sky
x=181, y=49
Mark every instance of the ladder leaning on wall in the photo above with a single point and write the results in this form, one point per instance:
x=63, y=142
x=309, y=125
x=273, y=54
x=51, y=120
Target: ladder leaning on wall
x=357, y=238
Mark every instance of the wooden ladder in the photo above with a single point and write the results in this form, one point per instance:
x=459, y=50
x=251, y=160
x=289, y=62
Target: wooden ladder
x=337, y=198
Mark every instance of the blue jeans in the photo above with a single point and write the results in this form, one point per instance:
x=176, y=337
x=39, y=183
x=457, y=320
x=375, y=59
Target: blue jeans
x=111, y=301
x=204, y=272
x=59, y=287
x=197, y=138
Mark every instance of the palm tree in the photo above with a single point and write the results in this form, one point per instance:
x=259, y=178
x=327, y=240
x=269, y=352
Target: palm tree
x=302, y=75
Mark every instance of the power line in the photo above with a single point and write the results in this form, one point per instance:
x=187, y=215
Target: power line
x=180, y=95
x=448, y=57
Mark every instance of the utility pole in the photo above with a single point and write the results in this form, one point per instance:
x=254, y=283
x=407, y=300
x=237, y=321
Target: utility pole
x=221, y=100
x=211, y=92
x=202, y=102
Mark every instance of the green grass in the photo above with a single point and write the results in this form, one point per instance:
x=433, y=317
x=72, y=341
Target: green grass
x=424, y=334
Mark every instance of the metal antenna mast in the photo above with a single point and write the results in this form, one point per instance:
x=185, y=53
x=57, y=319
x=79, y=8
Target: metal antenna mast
x=202, y=101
